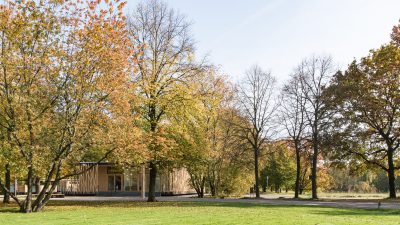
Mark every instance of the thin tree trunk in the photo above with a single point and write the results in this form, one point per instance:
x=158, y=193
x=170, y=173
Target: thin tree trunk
x=212, y=189
x=26, y=207
x=41, y=204
x=256, y=174
x=37, y=185
x=7, y=183
x=314, y=167
x=203, y=181
x=198, y=184
x=391, y=175
x=152, y=182
x=46, y=185
x=298, y=170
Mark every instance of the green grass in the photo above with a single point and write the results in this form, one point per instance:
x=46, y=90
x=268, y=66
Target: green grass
x=194, y=213
x=332, y=195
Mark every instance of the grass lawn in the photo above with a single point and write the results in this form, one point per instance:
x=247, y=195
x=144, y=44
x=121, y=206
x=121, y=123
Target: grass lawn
x=194, y=213
x=331, y=195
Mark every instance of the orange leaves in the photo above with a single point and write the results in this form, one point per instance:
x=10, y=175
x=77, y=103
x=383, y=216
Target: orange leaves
x=67, y=75
x=121, y=6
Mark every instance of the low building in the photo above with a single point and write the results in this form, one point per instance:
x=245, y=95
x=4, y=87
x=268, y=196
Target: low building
x=108, y=179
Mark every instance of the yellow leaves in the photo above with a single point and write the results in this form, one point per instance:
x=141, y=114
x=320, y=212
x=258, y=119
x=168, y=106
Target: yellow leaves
x=121, y=6
x=68, y=87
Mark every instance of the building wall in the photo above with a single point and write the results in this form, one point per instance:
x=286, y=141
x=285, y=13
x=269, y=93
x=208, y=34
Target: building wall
x=103, y=179
x=176, y=182
x=171, y=182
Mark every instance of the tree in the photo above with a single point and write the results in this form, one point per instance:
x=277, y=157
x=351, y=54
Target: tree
x=315, y=74
x=294, y=119
x=63, y=76
x=257, y=106
x=203, y=130
x=213, y=153
x=164, y=68
x=367, y=97
x=228, y=171
x=280, y=166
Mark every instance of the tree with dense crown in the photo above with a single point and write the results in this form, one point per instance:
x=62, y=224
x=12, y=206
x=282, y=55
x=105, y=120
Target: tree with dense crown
x=165, y=68
x=367, y=99
x=64, y=67
x=280, y=166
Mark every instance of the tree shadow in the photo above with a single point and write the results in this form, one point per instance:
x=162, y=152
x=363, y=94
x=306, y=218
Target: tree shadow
x=8, y=208
x=358, y=212
x=321, y=210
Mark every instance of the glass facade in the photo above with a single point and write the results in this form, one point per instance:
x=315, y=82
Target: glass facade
x=130, y=180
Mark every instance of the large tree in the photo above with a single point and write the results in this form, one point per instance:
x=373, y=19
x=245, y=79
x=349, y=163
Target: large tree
x=165, y=69
x=257, y=105
x=63, y=76
x=315, y=75
x=367, y=99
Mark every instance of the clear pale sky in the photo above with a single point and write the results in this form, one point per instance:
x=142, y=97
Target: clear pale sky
x=278, y=34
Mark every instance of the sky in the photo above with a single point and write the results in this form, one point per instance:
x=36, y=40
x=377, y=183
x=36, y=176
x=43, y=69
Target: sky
x=278, y=34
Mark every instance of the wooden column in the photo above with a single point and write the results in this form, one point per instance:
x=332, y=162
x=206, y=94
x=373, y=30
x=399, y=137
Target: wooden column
x=15, y=186
x=143, y=181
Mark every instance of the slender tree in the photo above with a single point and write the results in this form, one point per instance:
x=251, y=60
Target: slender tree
x=257, y=106
x=315, y=75
x=293, y=109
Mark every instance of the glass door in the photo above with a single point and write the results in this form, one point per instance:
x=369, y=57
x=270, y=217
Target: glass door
x=118, y=183
x=111, y=182
x=114, y=182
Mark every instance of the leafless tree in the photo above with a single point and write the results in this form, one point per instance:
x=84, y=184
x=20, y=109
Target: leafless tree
x=293, y=118
x=315, y=75
x=257, y=105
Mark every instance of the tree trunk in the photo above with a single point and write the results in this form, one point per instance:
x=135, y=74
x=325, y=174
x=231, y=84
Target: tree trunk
x=256, y=174
x=6, y=198
x=152, y=182
x=37, y=185
x=201, y=189
x=26, y=207
x=264, y=187
x=314, y=167
x=198, y=184
x=298, y=170
x=203, y=181
x=41, y=204
x=391, y=175
x=212, y=189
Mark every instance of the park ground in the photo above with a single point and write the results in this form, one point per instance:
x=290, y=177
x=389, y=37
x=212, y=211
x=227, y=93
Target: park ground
x=184, y=210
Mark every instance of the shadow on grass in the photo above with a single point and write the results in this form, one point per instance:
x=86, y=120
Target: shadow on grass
x=9, y=208
x=358, y=212
x=320, y=210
